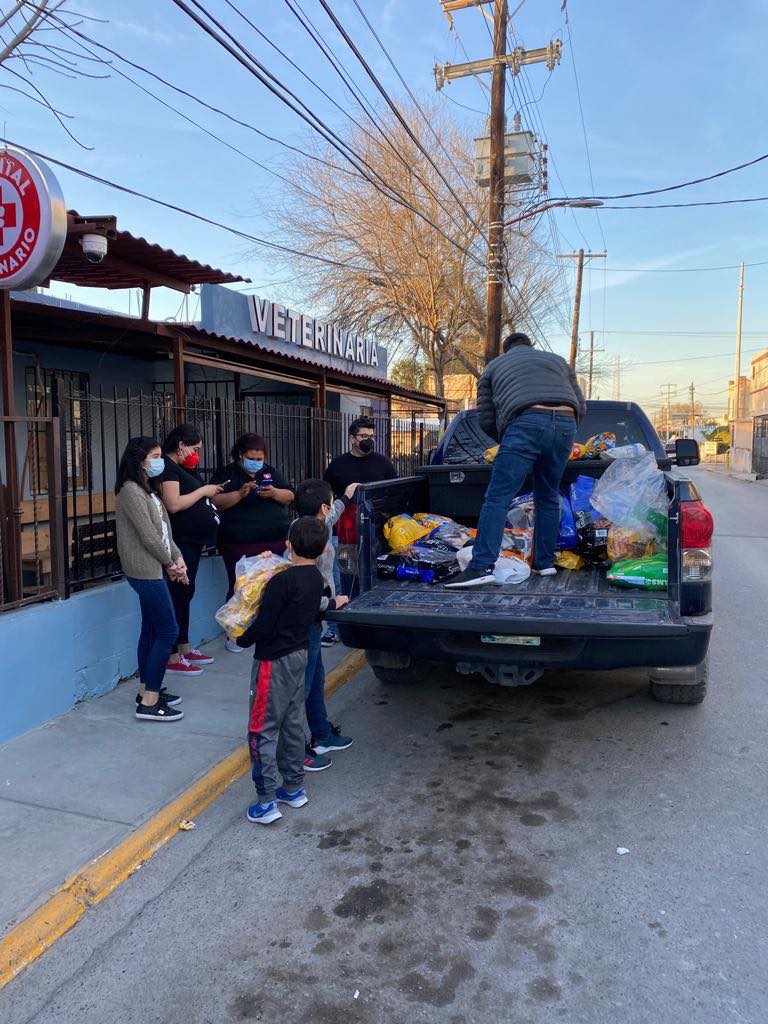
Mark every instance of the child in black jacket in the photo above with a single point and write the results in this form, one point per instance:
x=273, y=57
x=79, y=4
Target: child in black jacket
x=280, y=635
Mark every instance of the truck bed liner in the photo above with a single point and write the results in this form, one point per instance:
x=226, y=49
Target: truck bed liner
x=561, y=605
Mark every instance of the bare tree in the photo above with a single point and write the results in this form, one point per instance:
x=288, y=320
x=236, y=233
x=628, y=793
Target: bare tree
x=409, y=250
x=38, y=37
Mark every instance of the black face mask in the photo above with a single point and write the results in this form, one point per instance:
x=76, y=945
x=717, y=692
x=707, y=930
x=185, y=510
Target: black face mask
x=366, y=445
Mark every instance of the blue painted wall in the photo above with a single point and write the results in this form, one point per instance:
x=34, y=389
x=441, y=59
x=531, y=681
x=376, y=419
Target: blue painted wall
x=62, y=652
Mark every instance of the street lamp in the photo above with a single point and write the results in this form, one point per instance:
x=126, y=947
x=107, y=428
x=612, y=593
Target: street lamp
x=579, y=204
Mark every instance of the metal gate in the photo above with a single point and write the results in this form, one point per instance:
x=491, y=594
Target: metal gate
x=760, y=447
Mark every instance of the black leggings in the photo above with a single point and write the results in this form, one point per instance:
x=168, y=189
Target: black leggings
x=182, y=594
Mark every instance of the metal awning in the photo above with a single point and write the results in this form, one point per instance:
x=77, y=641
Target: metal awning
x=130, y=262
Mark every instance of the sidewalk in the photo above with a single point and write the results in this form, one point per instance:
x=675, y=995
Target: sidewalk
x=74, y=788
x=727, y=471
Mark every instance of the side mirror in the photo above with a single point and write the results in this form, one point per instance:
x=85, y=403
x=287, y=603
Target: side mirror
x=687, y=452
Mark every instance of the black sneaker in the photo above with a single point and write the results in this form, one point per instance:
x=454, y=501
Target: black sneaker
x=328, y=639
x=471, y=578
x=167, y=698
x=314, y=762
x=159, y=712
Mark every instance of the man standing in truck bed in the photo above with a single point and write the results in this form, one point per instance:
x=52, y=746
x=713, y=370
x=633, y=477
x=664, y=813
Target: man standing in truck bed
x=530, y=400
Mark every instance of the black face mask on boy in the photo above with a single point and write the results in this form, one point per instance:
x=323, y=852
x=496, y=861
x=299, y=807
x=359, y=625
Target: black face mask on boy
x=366, y=445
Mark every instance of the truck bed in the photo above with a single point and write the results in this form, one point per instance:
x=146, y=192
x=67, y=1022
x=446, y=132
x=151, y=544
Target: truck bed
x=562, y=604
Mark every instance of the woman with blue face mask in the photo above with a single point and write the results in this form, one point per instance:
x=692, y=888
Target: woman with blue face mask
x=148, y=555
x=253, y=507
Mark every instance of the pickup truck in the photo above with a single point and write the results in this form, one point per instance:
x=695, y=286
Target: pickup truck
x=512, y=634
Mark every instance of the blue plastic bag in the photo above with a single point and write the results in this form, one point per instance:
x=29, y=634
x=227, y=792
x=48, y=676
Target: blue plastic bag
x=581, y=495
x=567, y=537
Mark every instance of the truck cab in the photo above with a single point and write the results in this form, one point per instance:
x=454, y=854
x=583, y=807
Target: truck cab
x=578, y=619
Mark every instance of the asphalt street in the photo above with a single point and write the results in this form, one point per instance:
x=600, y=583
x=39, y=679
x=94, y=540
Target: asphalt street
x=459, y=863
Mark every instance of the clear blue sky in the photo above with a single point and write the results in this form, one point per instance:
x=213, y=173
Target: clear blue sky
x=670, y=92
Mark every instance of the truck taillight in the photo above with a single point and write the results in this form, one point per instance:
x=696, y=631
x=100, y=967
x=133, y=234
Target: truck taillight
x=696, y=529
x=697, y=525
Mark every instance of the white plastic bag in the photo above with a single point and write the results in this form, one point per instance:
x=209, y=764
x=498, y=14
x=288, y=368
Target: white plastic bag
x=626, y=451
x=506, y=570
x=632, y=492
x=251, y=577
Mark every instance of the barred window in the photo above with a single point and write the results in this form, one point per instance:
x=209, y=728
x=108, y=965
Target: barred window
x=74, y=392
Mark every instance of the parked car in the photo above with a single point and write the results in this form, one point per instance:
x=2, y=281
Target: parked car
x=575, y=620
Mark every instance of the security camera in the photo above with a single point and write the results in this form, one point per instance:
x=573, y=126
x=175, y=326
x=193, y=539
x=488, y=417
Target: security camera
x=94, y=247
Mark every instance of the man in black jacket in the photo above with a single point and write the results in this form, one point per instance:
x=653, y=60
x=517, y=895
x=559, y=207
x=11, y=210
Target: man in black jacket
x=531, y=401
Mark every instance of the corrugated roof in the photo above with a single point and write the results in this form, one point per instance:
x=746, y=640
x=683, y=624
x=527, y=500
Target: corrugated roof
x=131, y=261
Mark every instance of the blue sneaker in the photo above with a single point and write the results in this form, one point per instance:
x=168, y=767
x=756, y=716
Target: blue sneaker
x=333, y=741
x=264, y=814
x=297, y=799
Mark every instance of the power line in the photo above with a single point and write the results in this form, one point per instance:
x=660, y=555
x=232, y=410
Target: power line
x=678, y=270
x=583, y=123
x=395, y=110
x=687, y=184
x=208, y=106
x=409, y=91
x=187, y=213
x=360, y=99
x=263, y=75
x=673, y=206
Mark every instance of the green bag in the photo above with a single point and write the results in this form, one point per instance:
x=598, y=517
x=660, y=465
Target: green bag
x=651, y=573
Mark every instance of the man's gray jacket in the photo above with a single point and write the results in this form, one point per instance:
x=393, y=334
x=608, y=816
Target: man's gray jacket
x=522, y=377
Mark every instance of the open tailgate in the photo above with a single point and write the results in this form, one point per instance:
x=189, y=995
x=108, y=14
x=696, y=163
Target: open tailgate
x=579, y=604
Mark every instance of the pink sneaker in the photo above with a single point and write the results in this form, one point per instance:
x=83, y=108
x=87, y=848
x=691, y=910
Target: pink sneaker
x=195, y=657
x=184, y=667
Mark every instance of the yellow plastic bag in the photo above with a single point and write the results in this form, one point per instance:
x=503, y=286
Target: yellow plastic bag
x=569, y=560
x=253, y=574
x=402, y=531
x=490, y=453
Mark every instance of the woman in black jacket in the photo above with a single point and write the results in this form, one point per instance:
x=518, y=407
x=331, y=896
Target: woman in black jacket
x=253, y=505
x=194, y=521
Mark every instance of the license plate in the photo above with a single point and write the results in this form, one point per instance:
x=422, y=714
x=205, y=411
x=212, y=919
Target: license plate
x=518, y=641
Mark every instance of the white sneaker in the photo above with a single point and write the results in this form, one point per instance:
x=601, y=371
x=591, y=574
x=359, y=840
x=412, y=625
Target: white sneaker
x=551, y=571
x=233, y=647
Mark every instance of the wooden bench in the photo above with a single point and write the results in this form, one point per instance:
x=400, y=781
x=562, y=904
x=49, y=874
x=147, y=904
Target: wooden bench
x=94, y=550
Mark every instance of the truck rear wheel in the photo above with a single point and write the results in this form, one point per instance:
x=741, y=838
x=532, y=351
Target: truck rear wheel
x=680, y=685
x=397, y=669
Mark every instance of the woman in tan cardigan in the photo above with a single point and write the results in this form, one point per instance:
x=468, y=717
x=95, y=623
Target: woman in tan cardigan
x=147, y=552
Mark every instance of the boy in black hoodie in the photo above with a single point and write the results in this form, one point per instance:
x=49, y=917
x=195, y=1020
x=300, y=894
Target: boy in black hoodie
x=280, y=633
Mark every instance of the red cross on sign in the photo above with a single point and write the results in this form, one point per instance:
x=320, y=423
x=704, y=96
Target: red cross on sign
x=7, y=216
x=33, y=219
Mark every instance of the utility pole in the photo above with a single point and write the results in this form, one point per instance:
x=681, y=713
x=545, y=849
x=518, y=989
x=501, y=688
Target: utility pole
x=496, y=188
x=579, y=256
x=592, y=351
x=617, y=378
x=670, y=390
x=737, y=381
x=497, y=65
x=692, y=391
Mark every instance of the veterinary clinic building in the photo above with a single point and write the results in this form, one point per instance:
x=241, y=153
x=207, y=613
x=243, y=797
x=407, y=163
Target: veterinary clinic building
x=78, y=381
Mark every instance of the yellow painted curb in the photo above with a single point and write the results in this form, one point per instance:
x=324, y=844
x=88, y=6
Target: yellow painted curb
x=352, y=664
x=89, y=886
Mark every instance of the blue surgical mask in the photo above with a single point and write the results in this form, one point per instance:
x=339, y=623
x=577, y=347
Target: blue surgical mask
x=155, y=467
x=253, y=465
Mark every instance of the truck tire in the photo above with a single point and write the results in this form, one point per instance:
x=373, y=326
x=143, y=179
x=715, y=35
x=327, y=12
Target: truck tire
x=671, y=686
x=397, y=669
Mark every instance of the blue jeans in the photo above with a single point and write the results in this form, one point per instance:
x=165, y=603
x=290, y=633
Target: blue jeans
x=314, y=687
x=332, y=627
x=159, y=630
x=536, y=441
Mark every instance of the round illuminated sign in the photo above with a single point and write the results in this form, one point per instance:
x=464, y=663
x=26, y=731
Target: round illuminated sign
x=33, y=220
